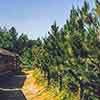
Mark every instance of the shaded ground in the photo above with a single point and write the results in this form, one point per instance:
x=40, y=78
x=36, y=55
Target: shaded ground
x=10, y=87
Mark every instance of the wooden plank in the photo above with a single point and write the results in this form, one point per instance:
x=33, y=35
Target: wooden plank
x=3, y=73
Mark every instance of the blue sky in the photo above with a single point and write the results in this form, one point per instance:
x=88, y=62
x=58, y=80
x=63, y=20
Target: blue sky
x=34, y=17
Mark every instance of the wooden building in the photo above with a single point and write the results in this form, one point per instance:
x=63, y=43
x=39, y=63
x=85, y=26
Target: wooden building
x=9, y=62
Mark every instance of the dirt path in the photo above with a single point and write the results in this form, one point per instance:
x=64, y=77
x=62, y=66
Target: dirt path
x=31, y=90
x=24, y=86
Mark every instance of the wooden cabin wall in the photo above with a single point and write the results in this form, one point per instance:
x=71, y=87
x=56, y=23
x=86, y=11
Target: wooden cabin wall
x=2, y=62
x=7, y=63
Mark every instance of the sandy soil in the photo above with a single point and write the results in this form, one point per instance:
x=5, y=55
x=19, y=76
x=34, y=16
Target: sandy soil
x=32, y=91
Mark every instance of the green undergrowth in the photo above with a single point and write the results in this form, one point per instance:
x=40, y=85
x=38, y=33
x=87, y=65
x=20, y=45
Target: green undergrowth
x=54, y=92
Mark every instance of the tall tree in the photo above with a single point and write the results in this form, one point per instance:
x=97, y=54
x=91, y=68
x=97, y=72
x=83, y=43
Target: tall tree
x=13, y=35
